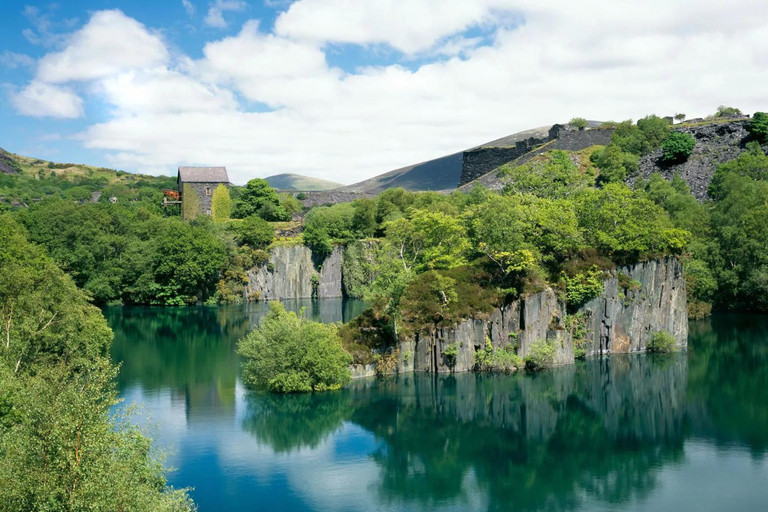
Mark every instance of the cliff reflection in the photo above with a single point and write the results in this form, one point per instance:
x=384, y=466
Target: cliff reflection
x=600, y=429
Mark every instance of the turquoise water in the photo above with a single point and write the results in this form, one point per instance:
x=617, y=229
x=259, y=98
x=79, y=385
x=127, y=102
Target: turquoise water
x=686, y=432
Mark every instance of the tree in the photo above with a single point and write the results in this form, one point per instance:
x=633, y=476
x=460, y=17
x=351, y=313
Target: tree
x=723, y=111
x=553, y=175
x=615, y=165
x=255, y=232
x=61, y=445
x=190, y=202
x=255, y=199
x=289, y=353
x=753, y=163
x=364, y=220
x=221, y=204
x=758, y=127
x=677, y=147
x=578, y=122
x=680, y=117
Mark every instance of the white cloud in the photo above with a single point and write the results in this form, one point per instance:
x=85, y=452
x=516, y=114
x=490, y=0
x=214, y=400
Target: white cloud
x=109, y=43
x=16, y=60
x=39, y=99
x=188, y=6
x=299, y=114
x=215, y=17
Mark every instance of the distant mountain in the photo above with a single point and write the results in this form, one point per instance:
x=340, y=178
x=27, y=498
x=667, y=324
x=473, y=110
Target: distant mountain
x=439, y=175
x=299, y=182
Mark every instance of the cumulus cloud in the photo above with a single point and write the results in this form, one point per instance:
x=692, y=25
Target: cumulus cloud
x=39, y=99
x=534, y=64
x=109, y=43
x=215, y=17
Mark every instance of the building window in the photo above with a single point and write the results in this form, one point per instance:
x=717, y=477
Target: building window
x=207, y=212
x=207, y=191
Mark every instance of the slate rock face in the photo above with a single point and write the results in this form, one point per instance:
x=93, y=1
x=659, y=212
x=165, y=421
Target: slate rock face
x=289, y=275
x=7, y=163
x=715, y=145
x=619, y=321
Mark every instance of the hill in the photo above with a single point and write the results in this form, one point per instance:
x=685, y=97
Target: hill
x=300, y=183
x=24, y=180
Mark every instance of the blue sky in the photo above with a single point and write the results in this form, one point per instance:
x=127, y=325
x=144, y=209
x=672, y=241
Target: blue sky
x=343, y=89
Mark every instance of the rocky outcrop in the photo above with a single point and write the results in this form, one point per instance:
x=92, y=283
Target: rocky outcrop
x=624, y=319
x=292, y=274
x=7, y=164
x=716, y=144
x=637, y=302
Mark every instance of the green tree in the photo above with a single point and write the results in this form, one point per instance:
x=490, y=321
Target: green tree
x=753, y=164
x=677, y=147
x=758, y=127
x=289, y=353
x=723, y=111
x=61, y=445
x=221, y=204
x=578, y=122
x=554, y=175
x=254, y=231
x=680, y=117
x=364, y=219
x=260, y=199
x=190, y=202
x=615, y=165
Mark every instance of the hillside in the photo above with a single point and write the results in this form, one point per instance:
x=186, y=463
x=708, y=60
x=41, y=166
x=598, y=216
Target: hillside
x=298, y=182
x=24, y=180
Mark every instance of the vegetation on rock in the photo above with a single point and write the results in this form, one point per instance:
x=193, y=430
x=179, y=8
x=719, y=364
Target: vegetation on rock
x=677, y=147
x=662, y=342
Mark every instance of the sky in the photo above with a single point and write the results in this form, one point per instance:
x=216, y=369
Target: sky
x=348, y=89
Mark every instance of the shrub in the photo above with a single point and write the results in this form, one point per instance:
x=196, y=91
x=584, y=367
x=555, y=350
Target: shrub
x=254, y=231
x=662, y=342
x=723, y=111
x=758, y=126
x=677, y=147
x=289, y=353
x=541, y=355
x=451, y=353
x=578, y=122
x=490, y=358
x=583, y=287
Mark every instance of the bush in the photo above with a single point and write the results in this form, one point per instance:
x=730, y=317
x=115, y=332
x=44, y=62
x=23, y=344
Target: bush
x=583, y=287
x=451, y=354
x=758, y=127
x=662, y=342
x=578, y=122
x=541, y=355
x=255, y=232
x=677, y=147
x=289, y=353
x=723, y=111
x=490, y=358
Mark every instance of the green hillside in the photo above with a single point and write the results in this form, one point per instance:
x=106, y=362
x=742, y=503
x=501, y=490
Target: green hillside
x=24, y=180
x=300, y=183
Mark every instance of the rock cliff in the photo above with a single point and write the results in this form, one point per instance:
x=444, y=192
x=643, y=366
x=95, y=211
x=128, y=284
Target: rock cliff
x=292, y=274
x=621, y=320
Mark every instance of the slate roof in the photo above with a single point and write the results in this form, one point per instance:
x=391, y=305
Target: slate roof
x=202, y=175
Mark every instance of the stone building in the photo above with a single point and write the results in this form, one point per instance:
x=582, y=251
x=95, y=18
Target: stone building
x=203, y=181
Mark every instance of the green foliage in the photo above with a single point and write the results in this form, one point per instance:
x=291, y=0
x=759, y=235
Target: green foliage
x=290, y=204
x=753, y=164
x=221, y=204
x=364, y=219
x=61, y=445
x=429, y=240
x=723, y=111
x=190, y=202
x=254, y=232
x=662, y=342
x=615, y=165
x=577, y=325
x=578, y=122
x=554, y=175
x=642, y=138
x=290, y=354
x=541, y=355
x=260, y=199
x=680, y=117
x=490, y=358
x=301, y=196
x=451, y=353
x=357, y=268
x=626, y=283
x=758, y=127
x=583, y=287
x=626, y=224
x=677, y=147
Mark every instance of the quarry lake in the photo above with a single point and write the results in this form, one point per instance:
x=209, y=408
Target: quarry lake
x=685, y=432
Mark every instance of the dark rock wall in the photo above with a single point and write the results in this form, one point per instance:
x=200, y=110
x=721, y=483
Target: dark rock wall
x=289, y=275
x=715, y=144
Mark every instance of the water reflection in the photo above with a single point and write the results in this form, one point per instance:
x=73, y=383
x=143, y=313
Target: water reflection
x=682, y=432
